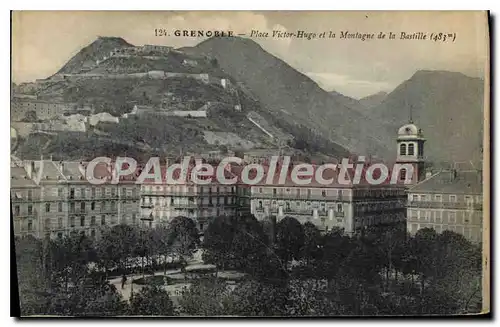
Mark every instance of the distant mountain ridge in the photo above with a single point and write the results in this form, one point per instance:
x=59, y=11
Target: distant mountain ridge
x=447, y=106
x=280, y=88
x=373, y=100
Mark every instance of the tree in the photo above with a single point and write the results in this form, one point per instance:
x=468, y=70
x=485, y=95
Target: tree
x=159, y=240
x=152, y=301
x=289, y=239
x=257, y=298
x=183, y=237
x=116, y=245
x=206, y=297
x=312, y=240
x=218, y=240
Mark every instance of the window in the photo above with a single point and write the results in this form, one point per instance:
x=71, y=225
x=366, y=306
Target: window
x=453, y=198
x=339, y=207
x=402, y=149
x=59, y=223
x=92, y=233
x=92, y=206
x=30, y=194
x=402, y=175
x=260, y=204
x=72, y=221
x=124, y=191
x=60, y=207
x=47, y=224
x=411, y=149
x=288, y=206
x=17, y=210
x=60, y=192
x=452, y=217
x=112, y=192
x=323, y=193
x=82, y=206
x=30, y=226
x=103, y=220
x=274, y=191
x=438, y=198
x=201, y=226
x=72, y=193
x=93, y=192
x=308, y=193
x=30, y=209
x=82, y=192
x=47, y=207
x=133, y=218
x=82, y=221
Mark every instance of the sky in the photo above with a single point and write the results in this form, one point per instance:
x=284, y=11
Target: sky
x=43, y=41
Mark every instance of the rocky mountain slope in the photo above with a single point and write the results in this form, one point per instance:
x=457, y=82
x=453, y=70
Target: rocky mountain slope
x=169, y=80
x=373, y=100
x=283, y=90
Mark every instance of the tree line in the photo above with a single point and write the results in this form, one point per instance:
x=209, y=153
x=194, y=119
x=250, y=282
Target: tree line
x=291, y=269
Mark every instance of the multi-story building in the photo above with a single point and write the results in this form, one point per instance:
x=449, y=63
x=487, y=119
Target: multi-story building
x=54, y=198
x=43, y=109
x=349, y=207
x=160, y=203
x=448, y=200
x=25, y=199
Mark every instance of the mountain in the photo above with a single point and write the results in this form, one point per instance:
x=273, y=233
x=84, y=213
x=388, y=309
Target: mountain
x=447, y=106
x=111, y=75
x=293, y=96
x=373, y=100
x=87, y=56
x=345, y=100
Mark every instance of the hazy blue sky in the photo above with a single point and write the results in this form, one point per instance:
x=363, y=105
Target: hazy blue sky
x=44, y=41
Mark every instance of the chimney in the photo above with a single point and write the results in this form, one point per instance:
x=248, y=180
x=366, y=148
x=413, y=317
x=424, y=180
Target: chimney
x=453, y=175
x=29, y=166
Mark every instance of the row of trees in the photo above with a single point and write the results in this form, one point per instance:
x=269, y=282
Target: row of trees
x=382, y=270
x=292, y=269
x=69, y=275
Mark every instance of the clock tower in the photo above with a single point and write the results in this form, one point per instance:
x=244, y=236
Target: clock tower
x=410, y=150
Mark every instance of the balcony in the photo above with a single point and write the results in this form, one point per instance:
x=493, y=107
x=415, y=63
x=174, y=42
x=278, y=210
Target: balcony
x=304, y=197
x=445, y=205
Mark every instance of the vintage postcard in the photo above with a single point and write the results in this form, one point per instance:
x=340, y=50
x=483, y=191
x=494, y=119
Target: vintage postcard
x=244, y=164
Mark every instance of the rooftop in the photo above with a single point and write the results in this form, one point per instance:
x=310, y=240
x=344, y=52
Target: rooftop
x=452, y=182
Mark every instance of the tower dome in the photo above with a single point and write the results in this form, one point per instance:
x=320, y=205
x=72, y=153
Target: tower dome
x=408, y=131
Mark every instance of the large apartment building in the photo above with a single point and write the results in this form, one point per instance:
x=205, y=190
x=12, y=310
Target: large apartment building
x=53, y=199
x=448, y=200
x=160, y=203
x=351, y=207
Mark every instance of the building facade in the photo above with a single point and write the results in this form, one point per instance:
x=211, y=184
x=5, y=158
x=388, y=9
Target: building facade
x=54, y=199
x=448, y=200
x=160, y=203
x=351, y=208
